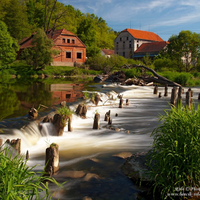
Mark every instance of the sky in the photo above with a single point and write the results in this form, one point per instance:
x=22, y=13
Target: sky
x=163, y=17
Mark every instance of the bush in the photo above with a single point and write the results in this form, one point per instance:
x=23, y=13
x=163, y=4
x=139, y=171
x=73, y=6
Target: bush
x=131, y=73
x=17, y=181
x=175, y=151
x=183, y=78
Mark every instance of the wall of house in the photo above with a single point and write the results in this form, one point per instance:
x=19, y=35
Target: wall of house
x=71, y=50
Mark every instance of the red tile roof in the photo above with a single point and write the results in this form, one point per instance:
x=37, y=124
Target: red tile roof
x=151, y=47
x=144, y=35
x=108, y=51
x=26, y=42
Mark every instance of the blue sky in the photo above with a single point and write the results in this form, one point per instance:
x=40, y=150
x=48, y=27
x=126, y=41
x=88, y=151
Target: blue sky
x=163, y=17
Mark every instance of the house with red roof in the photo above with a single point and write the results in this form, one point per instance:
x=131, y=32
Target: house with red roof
x=152, y=49
x=107, y=52
x=130, y=40
x=72, y=49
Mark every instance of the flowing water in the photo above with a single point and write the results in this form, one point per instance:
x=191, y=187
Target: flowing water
x=90, y=160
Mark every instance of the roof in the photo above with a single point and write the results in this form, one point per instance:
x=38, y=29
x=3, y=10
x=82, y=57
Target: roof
x=151, y=47
x=108, y=51
x=26, y=42
x=144, y=35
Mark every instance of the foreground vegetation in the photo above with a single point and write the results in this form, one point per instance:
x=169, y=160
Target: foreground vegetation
x=175, y=153
x=17, y=181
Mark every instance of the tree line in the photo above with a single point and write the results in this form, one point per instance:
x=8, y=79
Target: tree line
x=23, y=17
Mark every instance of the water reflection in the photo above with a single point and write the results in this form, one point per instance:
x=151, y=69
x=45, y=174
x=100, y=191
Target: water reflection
x=17, y=97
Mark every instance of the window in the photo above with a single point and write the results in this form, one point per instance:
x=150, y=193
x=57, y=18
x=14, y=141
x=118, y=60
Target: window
x=68, y=96
x=120, y=39
x=129, y=45
x=137, y=46
x=68, y=54
x=73, y=41
x=79, y=55
x=68, y=40
x=127, y=38
x=124, y=54
x=123, y=45
x=63, y=40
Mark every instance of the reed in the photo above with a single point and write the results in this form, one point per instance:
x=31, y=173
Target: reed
x=175, y=152
x=18, y=181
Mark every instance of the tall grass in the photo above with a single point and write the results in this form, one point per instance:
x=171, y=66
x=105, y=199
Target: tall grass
x=175, y=152
x=18, y=181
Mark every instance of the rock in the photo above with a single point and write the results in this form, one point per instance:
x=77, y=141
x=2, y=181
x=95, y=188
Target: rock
x=135, y=168
x=123, y=155
x=98, y=79
x=90, y=176
x=71, y=174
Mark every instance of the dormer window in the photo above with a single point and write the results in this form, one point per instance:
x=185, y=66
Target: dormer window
x=63, y=40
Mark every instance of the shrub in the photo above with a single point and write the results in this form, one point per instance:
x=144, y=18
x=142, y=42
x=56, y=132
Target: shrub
x=183, y=78
x=130, y=73
x=175, y=151
x=17, y=181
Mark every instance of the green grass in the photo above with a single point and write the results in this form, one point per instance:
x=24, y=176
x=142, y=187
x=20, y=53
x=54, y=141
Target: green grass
x=18, y=181
x=175, y=151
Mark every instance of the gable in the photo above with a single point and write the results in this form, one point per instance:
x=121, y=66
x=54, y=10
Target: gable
x=143, y=35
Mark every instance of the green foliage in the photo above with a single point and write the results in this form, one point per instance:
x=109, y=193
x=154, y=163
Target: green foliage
x=175, y=141
x=184, y=45
x=8, y=46
x=16, y=19
x=17, y=181
x=40, y=54
x=131, y=73
x=106, y=64
x=65, y=112
x=183, y=78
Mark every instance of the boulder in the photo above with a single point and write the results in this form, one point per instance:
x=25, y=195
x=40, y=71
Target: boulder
x=98, y=79
x=136, y=169
x=33, y=113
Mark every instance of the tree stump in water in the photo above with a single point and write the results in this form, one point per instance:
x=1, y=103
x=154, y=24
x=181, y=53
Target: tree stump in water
x=1, y=142
x=110, y=121
x=107, y=116
x=59, y=123
x=180, y=91
x=70, y=124
x=121, y=103
x=155, y=90
x=97, y=99
x=160, y=95
x=127, y=102
x=52, y=159
x=188, y=99
x=191, y=91
x=27, y=155
x=174, y=96
x=166, y=90
x=199, y=97
x=15, y=144
x=33, y=113
x=81, y=110
x=96, y=121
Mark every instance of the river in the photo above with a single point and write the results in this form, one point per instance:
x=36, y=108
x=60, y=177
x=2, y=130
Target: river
x=90, y=160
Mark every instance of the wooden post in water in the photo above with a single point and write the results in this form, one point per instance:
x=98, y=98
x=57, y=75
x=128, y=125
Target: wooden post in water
x=160, y=95
x=199, y=97
x=110, y=121
x=188, y=99
x=52, y=159
x=121, y=103
x=127, y=102
x=107, y=116
x=79, y=109
x=155, y=90
x=180, y=91
x=96, y=121
x=166, y=90
x=191, y=91
x=1, y=142
x=70, y=123
x=174, y=96
x=27, y=155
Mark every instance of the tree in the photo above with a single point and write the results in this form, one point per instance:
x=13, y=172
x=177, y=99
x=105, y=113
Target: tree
x=184, y=49
x=8, y=46
x=40, y=54
x=16, y=19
